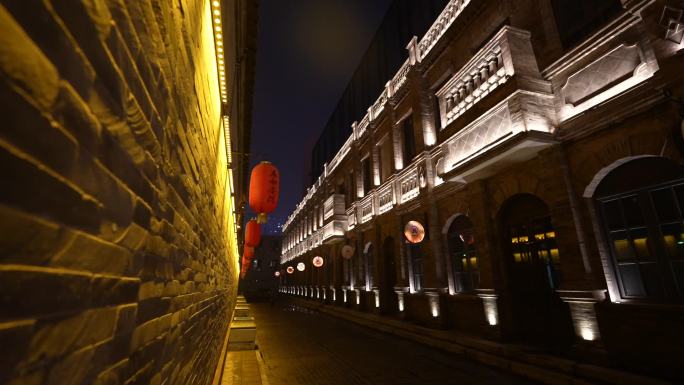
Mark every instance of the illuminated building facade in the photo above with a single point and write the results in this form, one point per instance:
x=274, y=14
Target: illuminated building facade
x=539, y=145
x=120, y=198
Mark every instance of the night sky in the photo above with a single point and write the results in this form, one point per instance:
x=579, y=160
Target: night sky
x=307, y=52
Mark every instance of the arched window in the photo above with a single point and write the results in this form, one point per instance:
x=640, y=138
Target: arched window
x=641, y=207
x=531, y=241
x=463, y=255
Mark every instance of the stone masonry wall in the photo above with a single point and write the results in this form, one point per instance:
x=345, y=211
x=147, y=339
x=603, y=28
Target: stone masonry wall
x=117, y=255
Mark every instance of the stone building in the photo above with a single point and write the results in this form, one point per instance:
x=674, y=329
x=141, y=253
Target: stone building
x=120, y=193
x=538, y=143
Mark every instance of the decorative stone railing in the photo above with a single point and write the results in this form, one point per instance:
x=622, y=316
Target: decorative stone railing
x=361, y=127
x=335, y=228
x=443, y=22
x=366, y=209
x=385, y=197
x=379, y=105
x=351, y=216
x=486, y=71
x=346, y=147
x=409, y=184
x=334, y=205
x=399, y=79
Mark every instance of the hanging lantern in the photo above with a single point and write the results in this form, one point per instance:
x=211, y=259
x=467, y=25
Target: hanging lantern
x=277, y=274
x=264, y=185
x=301, y=266
x=347, y=252
x=252, y=233
x=414, y=232
x=245, y=267
x=248, y=253
x=317, y=261
x=290, y=270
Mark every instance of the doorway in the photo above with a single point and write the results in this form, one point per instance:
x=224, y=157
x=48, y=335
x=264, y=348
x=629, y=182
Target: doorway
x=532, y=261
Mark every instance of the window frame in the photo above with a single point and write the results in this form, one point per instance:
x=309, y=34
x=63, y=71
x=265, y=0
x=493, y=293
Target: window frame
x=653, y=225
x=471, y=273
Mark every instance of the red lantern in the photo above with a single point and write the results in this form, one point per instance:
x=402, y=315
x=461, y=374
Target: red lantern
x=248, y=253
x=252, y=233
x=264, y=185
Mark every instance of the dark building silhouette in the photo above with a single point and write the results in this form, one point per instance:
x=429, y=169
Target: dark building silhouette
x=385, y=54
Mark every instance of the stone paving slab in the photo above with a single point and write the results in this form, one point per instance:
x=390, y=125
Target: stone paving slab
x=304, y=347
x=541, y=367
x=242, y=368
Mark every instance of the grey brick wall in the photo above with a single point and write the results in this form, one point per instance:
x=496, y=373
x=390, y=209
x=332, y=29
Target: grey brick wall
x=117, y=261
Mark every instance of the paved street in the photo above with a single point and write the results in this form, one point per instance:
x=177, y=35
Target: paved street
x=301, y=347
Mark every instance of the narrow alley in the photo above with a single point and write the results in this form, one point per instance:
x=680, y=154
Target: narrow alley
x=301, y=346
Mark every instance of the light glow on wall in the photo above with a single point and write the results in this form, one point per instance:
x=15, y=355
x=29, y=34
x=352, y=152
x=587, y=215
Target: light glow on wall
x=491, y=310
x=587, y=334
x=377, y=298
x=400, y=303
x=584, y=320
x=434, y=306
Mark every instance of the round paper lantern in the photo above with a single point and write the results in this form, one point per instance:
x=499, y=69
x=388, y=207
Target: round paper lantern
x=301, y=266
x=317, y=261
x=252, y=233
x=264, y=185
x=290, y=270
x=277, y=274
x=347, y=252
x=414, y=232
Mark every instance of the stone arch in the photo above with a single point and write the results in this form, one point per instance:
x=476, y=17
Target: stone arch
x=449, y=221
x=515, y=184
x=368, y=246
x=603, y=172
x=634, y=179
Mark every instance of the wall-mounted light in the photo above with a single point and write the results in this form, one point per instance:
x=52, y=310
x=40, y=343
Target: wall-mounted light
x=218, y=43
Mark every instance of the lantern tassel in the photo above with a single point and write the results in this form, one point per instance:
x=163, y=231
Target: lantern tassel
x=262, y=218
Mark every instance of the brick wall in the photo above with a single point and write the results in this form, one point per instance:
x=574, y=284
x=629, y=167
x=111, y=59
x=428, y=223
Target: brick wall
x=117, y=255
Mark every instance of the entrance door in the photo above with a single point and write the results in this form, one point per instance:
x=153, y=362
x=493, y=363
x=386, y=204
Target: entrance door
x=387, y=294
x=539, y=316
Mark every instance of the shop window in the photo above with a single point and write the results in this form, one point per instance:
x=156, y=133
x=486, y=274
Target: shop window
x=641, y=204
x=463, y=254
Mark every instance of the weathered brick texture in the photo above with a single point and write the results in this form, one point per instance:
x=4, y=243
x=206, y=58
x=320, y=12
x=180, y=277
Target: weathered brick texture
x=117, y=250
